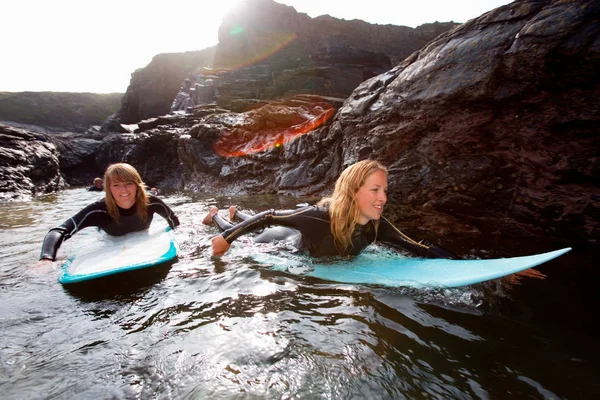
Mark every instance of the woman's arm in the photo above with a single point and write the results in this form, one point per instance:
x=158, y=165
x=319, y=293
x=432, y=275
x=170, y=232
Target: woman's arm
x=92, y=215
x=160, y=207
x=390, y=234
x=52, y=242
x=304, y=219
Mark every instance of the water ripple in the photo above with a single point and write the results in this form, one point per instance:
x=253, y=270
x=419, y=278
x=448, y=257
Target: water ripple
x=228, y=328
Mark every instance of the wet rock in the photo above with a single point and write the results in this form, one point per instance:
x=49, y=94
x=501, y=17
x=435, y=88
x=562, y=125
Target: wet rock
x=214, y=150
x=77, y=155
x=28, y=164
x=492, y=127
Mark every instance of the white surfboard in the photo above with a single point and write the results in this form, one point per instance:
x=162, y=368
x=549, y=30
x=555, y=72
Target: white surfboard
x=116, y=254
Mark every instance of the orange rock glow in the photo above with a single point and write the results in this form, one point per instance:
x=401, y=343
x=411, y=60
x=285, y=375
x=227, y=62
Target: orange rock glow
x=272, y=126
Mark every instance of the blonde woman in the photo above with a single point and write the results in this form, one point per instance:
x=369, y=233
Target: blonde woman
x=125, y=208
x=343, y=224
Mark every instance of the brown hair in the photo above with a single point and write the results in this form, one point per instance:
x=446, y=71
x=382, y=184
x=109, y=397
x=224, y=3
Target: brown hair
x=343, y=208
x=123, y=172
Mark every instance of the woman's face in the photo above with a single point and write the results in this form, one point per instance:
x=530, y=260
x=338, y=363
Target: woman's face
x=371, y=197
x=124, y=193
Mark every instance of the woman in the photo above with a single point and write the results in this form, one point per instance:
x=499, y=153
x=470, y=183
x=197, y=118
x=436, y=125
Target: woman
x=97, y=186
x=343, y=224
x=126, y=208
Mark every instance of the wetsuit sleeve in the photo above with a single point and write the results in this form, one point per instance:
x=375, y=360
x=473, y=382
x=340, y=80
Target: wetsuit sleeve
x=52, y=242
x=390, y=234
x=304, y=219
x=92, y=215
x=164, y=211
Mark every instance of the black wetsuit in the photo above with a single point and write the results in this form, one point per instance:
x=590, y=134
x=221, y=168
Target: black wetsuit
x=94, y=189
x=311, y=231
x=96, y=214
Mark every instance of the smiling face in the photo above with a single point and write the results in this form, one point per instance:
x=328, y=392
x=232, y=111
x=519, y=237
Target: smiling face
x=124, y=193
x=371, y=197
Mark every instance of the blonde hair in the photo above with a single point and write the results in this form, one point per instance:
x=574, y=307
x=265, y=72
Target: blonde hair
x=123, y=172
x=343, y=208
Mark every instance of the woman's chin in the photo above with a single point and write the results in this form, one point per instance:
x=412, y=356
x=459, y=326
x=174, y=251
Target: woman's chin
x=126, y=205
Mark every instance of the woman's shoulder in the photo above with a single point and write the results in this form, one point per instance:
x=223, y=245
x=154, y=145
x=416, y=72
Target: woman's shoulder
x=97, y=205
x=92, y=208
x=316, y=210
x=152, y=199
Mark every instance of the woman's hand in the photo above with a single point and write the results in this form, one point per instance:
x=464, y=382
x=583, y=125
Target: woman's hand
x=42, y=264
x=219, y=245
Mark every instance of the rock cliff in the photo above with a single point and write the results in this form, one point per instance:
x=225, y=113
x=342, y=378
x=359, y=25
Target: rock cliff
x=153, y=88
x=491, y=128
x=58, y=111
x=267, y=51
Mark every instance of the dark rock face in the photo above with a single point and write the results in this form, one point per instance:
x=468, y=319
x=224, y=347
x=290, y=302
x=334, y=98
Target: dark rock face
x=77, y=156
x=268, y=51
x=28, y=164
x=182, y=151
x=152, y=89
x=67, y=121
x=76, y=151
x=257, y=27
x=493, y=127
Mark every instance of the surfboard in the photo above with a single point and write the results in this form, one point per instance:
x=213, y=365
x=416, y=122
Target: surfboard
x=111, y=255
x=392, y=269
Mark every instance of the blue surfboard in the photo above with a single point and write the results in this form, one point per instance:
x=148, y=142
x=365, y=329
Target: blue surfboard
x=117, y=254
x=387, y=269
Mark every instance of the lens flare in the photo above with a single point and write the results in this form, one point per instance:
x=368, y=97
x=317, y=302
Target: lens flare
x=244, y=54
x=243, y=140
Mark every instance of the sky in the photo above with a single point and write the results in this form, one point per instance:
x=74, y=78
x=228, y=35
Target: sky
x=95, y=45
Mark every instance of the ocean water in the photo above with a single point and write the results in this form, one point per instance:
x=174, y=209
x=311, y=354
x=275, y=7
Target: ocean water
x=204, y=327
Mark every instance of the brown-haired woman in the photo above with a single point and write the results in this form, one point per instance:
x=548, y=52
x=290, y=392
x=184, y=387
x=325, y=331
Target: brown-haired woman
x=125, y=208
x=343, y=224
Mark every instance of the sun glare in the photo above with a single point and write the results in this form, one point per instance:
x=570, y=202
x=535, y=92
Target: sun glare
x=64, y=46
x=70, y=45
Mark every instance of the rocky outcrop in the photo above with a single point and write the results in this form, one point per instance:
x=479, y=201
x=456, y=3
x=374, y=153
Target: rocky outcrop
x=491, y=128
x=152, y=89
x=73, y=112
x=76, y=151
x=268, y=51
x=28, y=164
x=212, y=149
x=257, y=29
x=77, y=156
x=65, y=120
